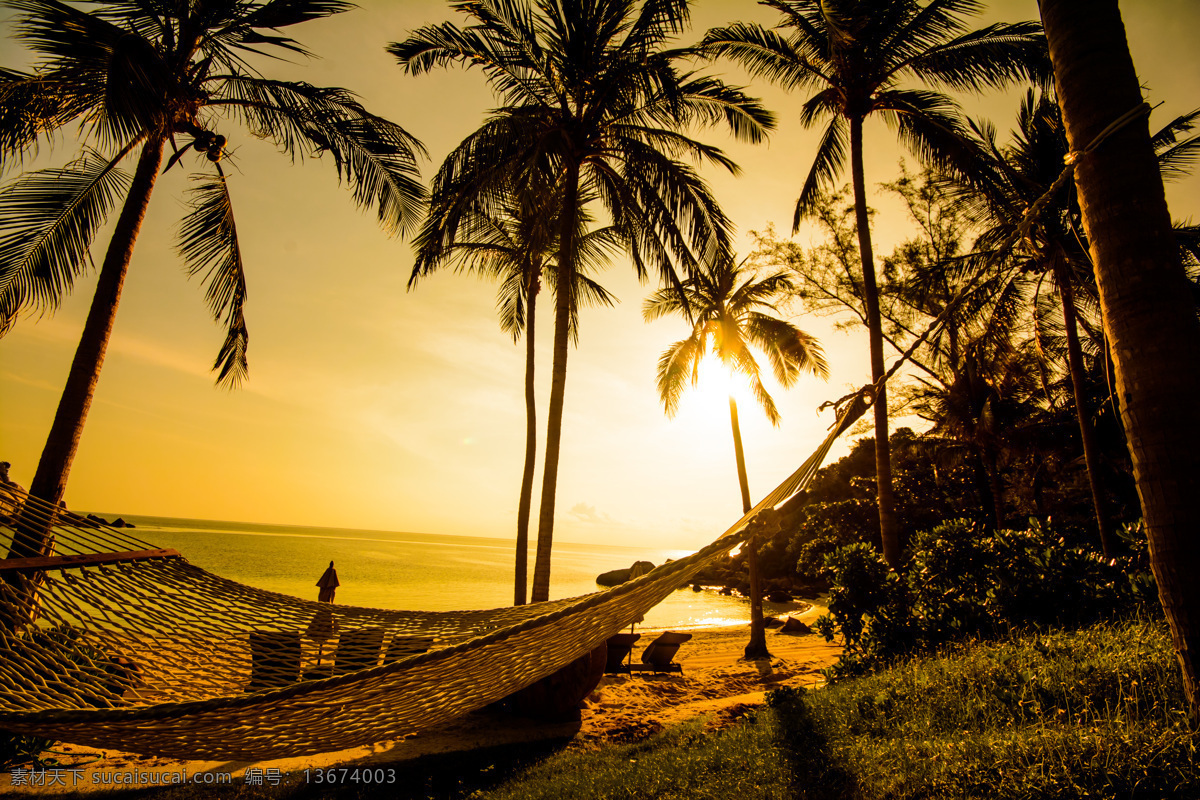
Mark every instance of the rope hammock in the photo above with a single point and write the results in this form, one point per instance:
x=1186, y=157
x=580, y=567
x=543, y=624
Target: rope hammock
x=110, y=642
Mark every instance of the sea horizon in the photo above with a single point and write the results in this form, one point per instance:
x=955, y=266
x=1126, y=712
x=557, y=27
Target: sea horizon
x=411, y=570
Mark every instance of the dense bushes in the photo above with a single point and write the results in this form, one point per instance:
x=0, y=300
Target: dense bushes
x=960, y=579
x=933, y=482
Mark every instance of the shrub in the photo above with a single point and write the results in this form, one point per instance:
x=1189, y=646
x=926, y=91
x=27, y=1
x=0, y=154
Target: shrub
x=961, y=580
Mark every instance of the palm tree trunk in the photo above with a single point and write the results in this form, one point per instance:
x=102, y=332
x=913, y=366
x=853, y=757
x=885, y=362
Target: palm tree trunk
x=757, y=647
x=1087, y=433
x=50, y=480
x=522, y=567
x=563, y=297
x=888, y=529
x=984, y=486
x=740, y=455
x=991, y=460
x=1148, y=311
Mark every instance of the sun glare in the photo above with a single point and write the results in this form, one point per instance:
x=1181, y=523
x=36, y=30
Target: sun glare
x=713, y=387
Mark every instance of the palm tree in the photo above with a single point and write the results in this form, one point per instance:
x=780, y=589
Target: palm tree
x=854, y=57
x=1053, y=245
x=591, y=96
x=515, y=246
x=1149, y=313
x=139, y=75
x=728, y=309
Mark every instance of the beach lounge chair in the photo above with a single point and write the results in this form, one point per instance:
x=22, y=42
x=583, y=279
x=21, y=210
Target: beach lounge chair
x=274, y=659
x=358, y=649
x=659, y=655
x=619, y=648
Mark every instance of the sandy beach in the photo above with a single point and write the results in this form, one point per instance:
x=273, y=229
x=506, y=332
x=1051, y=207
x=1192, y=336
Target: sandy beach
x=715, y=683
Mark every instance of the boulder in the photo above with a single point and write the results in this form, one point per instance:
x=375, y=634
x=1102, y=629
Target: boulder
x=793, y=625
x=618, y=576
x=613, y=577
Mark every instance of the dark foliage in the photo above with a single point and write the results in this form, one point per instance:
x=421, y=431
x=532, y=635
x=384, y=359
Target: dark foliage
x=960, y=580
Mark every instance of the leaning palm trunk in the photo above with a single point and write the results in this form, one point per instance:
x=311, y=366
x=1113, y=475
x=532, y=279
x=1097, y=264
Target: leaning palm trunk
x=888, y=529
x=1148, y=313
x=50, y=480
x=1087, y=432
x=757, y=646
x=564, y=292
x=522, y=565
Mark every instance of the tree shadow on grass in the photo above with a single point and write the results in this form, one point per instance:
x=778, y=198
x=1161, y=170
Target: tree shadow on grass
x=816, y=771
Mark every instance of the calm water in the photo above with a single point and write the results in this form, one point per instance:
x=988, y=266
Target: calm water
x=414, y=571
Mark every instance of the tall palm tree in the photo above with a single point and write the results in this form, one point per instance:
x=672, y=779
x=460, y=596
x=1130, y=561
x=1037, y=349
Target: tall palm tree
x=516, y=246
x=1149, y=313
x=855, y=57
x=140, y=75
x=591, y=95
x=730, y=310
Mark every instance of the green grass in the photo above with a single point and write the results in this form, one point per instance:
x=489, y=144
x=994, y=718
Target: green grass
x=1090, y=713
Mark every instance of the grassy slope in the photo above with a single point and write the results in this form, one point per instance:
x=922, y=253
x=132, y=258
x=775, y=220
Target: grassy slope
x=1091, y=713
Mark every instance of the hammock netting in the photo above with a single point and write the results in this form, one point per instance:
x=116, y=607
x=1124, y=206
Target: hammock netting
x=110, y=642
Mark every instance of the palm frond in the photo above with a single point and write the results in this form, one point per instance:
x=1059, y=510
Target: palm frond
x=98, y=56
x=232, y=26
x=994, y=56
x=790, y=350
x=49, y=219
x=377, y=158
x=755, y=293
x=664, y=302
x=828, y=164
x=743, y=363
x=676, y=368
x=32, y=105
x=932, y=128
x=714, y=101
x=208, y=242
x=764, y=54
x=1177, y=157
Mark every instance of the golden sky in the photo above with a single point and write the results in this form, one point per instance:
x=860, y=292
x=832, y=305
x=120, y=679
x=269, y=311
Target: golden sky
x=372, y=407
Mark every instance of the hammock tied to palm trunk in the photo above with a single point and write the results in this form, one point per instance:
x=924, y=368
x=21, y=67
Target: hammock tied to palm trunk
x=110, y=642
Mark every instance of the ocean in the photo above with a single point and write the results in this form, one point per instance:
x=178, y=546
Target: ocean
x=416, y=571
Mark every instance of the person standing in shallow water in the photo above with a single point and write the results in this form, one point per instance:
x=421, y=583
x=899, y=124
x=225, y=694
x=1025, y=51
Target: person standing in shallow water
x=328, y=584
